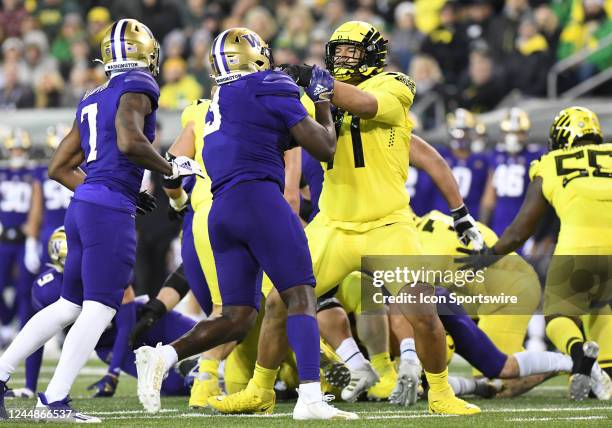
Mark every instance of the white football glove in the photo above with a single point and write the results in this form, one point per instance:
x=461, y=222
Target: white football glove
x=466, y=228
x=183, y=166
x=31, y=258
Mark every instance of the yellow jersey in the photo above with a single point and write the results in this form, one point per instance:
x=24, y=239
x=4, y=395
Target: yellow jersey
x=196, y=112
x=577, y=182
x=364, y=186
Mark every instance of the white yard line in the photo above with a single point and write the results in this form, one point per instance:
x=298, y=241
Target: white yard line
x=570, y=418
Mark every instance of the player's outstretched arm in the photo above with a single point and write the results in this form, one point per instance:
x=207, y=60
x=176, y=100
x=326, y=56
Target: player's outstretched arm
x=131, y=140
x=354, y=100
x=423, y=156
x=525, y=223
x=317, y=137
x=65, y=163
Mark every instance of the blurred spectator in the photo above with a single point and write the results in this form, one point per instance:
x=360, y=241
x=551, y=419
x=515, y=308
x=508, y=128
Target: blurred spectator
x=296, y=33
x=12, y=51
x=429, y=101
x=503, y=29
x=528, y=67
x=405, y=40
x=193, y=14
x=161, y=16
x=548, y=26
x=174, y=44
x=428, y=14
x=180, y=88
x=36, y=56
x=48, y=89
x=260, y=20
x=587, y=32
x=478, y=18
x=198, y=63
x=98, y=20
x=72, y=29
x=481, y=90
x=14, y=94
x=334, y=15
x=11, y=17
x=79, y=82
x=366, y=11
x=447, y=44
x=50, y=14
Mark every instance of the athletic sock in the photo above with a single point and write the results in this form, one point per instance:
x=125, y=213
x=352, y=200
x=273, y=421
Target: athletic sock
x=78, y=346
x=563, y=333
x=303, y=337
x=209, y=366
x=408, y=351
x=310, y=392
x=170, y=356
x=531, y=363
x=438, y=382
x=461, y=385
x=264, y=378
x=382, y=363
x=350, y=354
x=37, y=331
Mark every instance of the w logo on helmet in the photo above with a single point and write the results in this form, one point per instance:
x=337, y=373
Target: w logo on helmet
x=252, y=39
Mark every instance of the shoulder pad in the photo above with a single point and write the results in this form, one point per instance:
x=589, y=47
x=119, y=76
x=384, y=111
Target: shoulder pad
x=400, y=77
x=141, y=82
x=277, y=83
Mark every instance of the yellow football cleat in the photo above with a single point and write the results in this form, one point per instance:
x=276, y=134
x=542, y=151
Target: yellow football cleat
x=252, y=399
x=203, y=387
x=384, y=387
x=448, y=404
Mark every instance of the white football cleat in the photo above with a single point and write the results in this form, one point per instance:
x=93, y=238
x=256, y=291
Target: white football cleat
x=408, y=381
x=60, y=411
x=319, y=410
x=601, y=384
x=361, y=380
x=151, y=368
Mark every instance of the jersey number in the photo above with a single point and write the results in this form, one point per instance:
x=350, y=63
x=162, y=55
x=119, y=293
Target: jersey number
x=572, y=173
x=509, y=180
x=15, y=196
x=463, y=176
x=91, y=111
x=357, y=144
x=215, y=123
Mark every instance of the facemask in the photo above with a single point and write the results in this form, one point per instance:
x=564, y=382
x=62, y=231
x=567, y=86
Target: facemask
x=16, y=162
x=512, y=143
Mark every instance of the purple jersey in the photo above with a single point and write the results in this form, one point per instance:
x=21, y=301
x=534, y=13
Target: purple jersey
x=112, y=179
x=510, y=180
x=422, y=191
x=247, y=129
x=15, y=197
x=471, y=175
x=56, y=199
x=313, y=174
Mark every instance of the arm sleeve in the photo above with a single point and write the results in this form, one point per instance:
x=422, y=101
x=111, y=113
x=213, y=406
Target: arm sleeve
x=141, y=83
x=125, y=320
x=394, y=95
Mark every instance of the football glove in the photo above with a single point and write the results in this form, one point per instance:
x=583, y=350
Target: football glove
x=105, y=387
x=183, y=166
x=146, y=203
x=476, y=259
x=148, y=315
x=301, y=74
x=466, y=228
x=321, y=86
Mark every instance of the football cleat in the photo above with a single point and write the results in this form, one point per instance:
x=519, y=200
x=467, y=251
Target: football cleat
x=3, y=389
x=361, y=380
x=579, y=383
x=487, y=388
x=601, y=385
x=337, y=374
x=151, y=368
x=447, y=404
x=204, y=386
x=19, y=393
x=252, y=399
x=408, y=380
x=320, y=410
x=384, y=387
x=61, y=411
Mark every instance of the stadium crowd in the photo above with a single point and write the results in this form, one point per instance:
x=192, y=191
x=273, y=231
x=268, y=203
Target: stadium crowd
x=461, y=53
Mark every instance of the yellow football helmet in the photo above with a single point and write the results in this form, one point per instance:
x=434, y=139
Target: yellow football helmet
x=18, y=139
x=55, y=134
x=58, y=248
x=516, y=120
x=572, y=125
x=237, y=52
x=129, y=44
x=373, y=51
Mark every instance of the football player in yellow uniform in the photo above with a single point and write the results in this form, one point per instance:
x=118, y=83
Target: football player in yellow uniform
x=364, y=206
x=575, y=177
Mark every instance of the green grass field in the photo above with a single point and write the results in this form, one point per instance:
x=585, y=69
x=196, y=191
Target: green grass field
x=544, y=406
